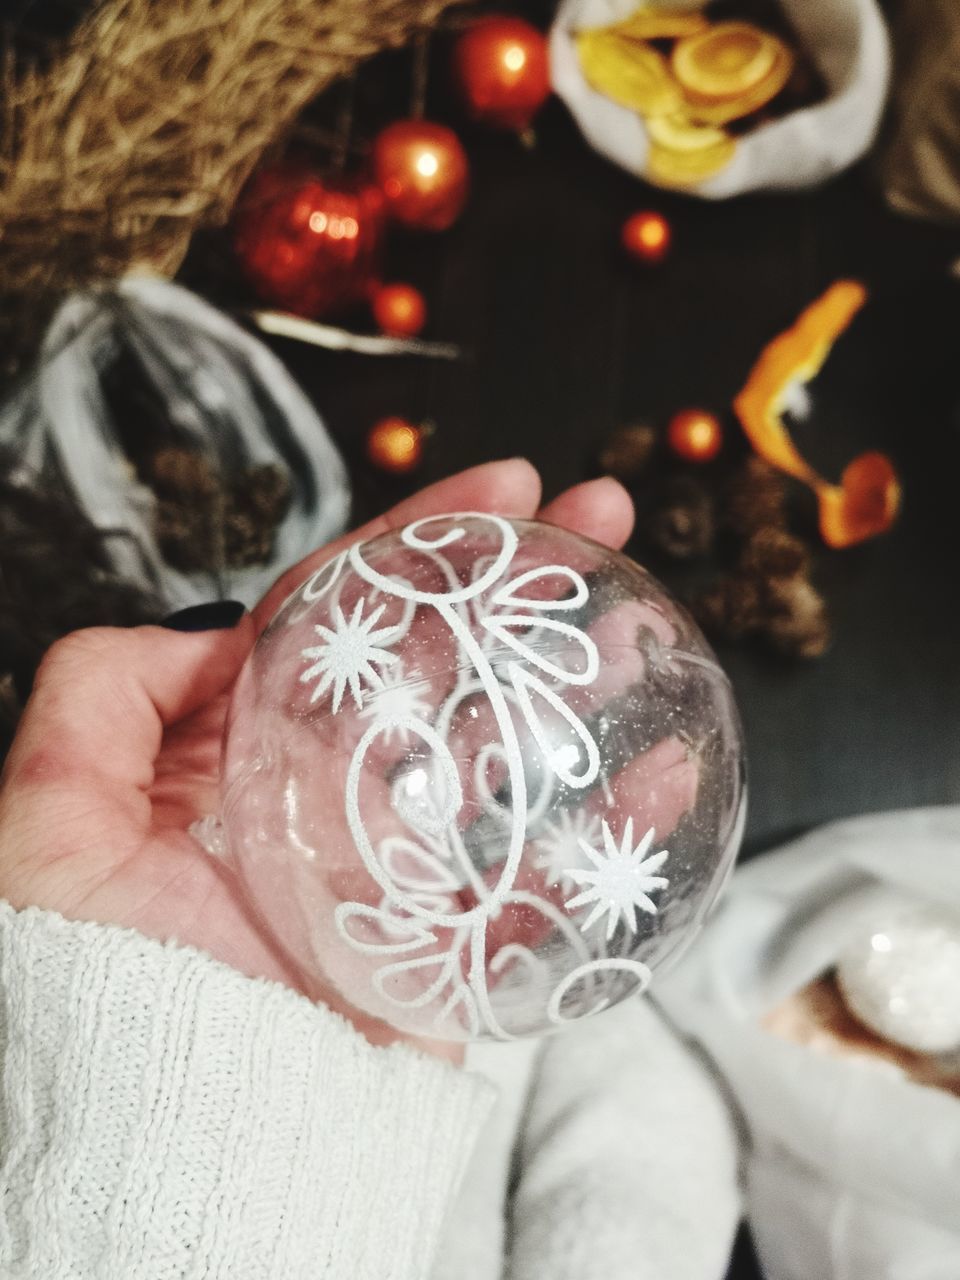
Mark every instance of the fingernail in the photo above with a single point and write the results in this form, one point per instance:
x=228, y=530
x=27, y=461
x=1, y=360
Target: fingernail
x=217, y=615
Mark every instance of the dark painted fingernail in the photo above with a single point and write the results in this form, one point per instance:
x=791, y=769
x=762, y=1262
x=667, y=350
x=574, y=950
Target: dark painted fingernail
x=218, y=615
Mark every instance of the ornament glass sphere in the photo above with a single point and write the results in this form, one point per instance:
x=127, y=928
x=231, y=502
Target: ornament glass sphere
x=399, y=310
x=396, y=445
x=308, y=244
x=423, y=172
x=482, y=776
x=502, y=68
x=646, y=236
x=695, y=435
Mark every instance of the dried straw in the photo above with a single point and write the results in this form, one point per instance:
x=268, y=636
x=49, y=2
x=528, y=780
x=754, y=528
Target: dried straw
x=148, y=122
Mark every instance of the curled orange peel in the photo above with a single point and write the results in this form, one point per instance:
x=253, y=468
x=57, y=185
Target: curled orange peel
x=867, y=499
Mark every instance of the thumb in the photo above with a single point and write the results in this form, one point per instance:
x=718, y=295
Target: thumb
x=103, y=697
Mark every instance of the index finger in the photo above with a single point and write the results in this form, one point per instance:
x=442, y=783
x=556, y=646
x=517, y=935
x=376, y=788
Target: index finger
x=509, y=488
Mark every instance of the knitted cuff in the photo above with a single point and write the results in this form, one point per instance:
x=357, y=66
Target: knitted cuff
x=163, y=1116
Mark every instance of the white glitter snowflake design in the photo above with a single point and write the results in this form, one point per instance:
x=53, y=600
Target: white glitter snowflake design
x=561, y=841
x=399, y=696
x=621, y=881
x=349, y=654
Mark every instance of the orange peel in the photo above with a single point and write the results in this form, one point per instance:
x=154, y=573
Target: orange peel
x=867, y=499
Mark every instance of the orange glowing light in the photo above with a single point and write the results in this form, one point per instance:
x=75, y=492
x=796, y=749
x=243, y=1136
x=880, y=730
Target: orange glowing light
x=395, y=445
x=422, y=170
x=514, y=58
x=646, y=236
x=318, y=223
x=399, y=310
x=427, y=164
x=501, y=66
x=695, y=435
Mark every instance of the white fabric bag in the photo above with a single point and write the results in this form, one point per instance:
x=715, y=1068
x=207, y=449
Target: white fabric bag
x=853, y=1170
x=224, y=394
x=846, y=39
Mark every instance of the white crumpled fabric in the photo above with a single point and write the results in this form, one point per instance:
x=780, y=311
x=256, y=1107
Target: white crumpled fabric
x=853, y=1170
x=224, y=393
x=846, y=38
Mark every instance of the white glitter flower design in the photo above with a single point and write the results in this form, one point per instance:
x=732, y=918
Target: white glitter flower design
x=561, y=841
x=621, y=880
x=399, y=696
x=349, y=654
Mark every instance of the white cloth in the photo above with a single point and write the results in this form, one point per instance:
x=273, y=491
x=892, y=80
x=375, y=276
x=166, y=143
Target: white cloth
x=628, y=1159
x=162, y=1116
x=610, y=1155
x=854, y=1170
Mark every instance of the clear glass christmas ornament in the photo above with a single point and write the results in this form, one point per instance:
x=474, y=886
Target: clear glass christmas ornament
x=482, y=776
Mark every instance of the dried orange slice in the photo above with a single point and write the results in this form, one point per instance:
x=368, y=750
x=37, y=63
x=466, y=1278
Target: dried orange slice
x=661, y=24
x=678, y=133
x=717, y=111
x=632, y=74
x=726, y=61
x=685, y=168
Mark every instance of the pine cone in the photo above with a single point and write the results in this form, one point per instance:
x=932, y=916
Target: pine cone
x=265, y=490
x=627, y=451
x=258, y=502
x=797, y=621
x=245, y=541
x=733, y=608
x=199, y=527
x=755, y=498
x=682, y=524
x=186, y=535
x=179, y=473
x=775, y=553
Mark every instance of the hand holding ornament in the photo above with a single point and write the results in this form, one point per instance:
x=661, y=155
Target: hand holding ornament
x=118, y=753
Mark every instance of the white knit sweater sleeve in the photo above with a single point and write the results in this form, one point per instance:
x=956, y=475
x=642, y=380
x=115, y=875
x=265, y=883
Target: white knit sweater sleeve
x=163, y=1116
